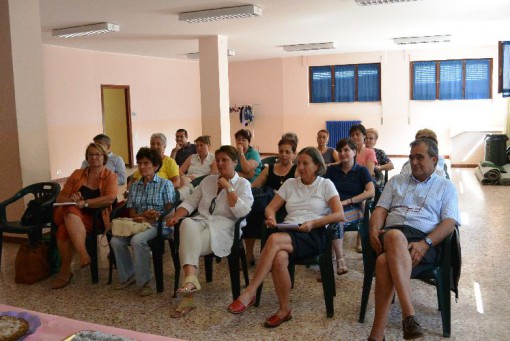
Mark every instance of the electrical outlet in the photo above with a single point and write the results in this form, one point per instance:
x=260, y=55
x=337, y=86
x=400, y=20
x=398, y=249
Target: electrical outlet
x=59, y=171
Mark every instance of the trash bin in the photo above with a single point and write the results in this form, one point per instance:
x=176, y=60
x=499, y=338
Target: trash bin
x=495, y=148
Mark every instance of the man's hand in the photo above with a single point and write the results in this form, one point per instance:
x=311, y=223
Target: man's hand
x=417, y=250
x=375, y=242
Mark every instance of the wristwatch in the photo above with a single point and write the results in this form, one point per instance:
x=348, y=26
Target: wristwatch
x=230, y=189
x=86, y=204
x=428, y=241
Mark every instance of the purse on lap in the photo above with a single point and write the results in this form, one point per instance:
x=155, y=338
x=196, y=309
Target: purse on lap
x=126, y=227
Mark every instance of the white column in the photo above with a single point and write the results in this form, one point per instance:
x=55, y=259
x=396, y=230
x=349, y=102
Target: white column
x=215, y=89
x=23, y=125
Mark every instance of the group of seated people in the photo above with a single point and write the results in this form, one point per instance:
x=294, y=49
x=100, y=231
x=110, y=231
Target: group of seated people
x=415, y=212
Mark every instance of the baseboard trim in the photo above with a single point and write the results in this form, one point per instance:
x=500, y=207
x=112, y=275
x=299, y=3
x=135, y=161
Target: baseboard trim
x=462, y=165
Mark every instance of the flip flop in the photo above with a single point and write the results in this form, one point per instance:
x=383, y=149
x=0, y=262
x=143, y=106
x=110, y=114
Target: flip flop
x=186, y=290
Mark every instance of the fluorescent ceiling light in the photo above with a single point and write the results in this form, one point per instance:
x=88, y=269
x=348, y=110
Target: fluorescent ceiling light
x=85, y=30
x=309, y=47
x=237, y=12
x=423, y=40
x=196, y=55
x=380, y=2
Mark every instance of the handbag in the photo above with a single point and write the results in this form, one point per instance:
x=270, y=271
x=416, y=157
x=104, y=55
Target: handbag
x=29, y=217
x=126, y=227
x=31, y=264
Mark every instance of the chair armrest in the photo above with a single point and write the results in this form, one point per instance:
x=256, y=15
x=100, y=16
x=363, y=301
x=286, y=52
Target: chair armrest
x=7, y=202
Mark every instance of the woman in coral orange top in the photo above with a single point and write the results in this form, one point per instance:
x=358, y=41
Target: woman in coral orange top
x=88, y=188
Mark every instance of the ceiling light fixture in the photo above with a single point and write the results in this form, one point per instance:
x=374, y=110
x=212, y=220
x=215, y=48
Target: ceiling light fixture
x=196, y=55
x=309, y=47
x=446, y=38
x=85, y=30
x=380, y=2
x=237, y=12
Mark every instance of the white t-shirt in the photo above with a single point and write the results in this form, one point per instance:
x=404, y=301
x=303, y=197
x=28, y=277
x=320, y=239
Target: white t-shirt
x=306, y=202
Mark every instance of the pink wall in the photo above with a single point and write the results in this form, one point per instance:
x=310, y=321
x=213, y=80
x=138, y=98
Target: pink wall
x=260, y=84
x=283, y=100
x=165, y=96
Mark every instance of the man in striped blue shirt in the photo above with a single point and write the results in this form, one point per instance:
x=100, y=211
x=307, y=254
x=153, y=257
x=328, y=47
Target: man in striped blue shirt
x=414, y=214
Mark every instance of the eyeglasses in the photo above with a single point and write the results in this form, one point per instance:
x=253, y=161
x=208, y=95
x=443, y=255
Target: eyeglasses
x=94, y=155
x=212, y=206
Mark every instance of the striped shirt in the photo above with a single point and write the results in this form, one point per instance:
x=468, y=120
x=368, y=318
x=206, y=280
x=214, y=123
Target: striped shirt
x=422, y=205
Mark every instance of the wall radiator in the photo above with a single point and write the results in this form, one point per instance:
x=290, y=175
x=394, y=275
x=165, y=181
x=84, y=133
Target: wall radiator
x=338, y=130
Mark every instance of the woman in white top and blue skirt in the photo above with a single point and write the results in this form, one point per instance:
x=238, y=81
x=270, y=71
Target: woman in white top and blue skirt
x=312, y=202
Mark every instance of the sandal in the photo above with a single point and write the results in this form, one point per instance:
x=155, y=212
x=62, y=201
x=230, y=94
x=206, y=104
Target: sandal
x=341, y=267
x=184, y=308
x=192, y=280
x=60, y=283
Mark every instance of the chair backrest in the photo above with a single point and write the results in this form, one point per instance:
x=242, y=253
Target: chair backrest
x=195, y=182
x=270, y=160
x=45, y=193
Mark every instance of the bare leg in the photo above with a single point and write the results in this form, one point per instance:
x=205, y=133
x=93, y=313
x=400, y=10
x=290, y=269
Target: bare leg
x=384, y=289
x=66, y=255
x=400, y=267
x=338, y=248
x=77, y=233
x=282, y=282
x=277, y=242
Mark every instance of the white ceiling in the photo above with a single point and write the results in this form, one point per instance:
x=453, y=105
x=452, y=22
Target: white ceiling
x=152, y=28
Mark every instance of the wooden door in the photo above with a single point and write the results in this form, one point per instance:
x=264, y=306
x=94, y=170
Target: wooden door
x=117, y=120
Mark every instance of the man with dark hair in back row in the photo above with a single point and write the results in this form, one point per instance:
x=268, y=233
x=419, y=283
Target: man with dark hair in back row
x=115, y=163
x=183, y=148
x=414, y=214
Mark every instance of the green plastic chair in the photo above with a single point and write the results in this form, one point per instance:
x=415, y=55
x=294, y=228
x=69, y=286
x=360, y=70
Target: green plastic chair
x=45, y=193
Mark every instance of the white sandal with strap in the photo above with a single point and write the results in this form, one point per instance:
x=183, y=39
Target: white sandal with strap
x=186, y=290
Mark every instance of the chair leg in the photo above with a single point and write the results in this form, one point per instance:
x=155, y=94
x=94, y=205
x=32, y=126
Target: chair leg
x=367, y=286
x=111, y=260
x=291, y=273
x=259, y=294
x=177, y=266
x=157, y=260
x=328, y=283
x=111, y=264
x=244, y=265
x=91, y=244
x=444, y=299
x=233, y=267
x=208, y=261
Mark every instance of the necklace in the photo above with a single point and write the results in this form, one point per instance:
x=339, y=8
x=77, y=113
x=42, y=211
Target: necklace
x=282, y=177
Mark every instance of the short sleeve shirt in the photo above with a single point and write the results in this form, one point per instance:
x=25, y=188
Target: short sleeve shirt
x=306, y=202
